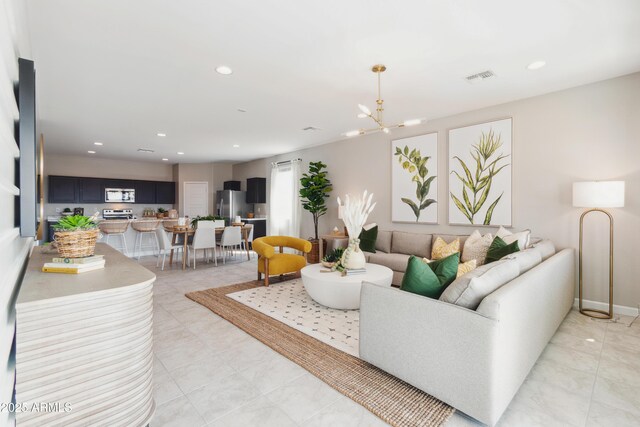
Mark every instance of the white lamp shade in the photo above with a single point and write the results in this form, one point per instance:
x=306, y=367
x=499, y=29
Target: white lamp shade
x=598, y=194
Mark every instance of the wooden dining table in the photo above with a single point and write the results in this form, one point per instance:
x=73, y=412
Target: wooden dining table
x=185, y=231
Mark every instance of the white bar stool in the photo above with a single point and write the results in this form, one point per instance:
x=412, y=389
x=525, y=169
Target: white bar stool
x=115, y=228
x=147, y=227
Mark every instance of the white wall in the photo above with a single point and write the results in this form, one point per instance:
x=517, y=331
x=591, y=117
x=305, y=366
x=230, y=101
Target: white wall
x=13, y=44
x=586, y=133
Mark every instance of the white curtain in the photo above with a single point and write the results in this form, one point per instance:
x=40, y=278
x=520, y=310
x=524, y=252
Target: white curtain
x=284, y=207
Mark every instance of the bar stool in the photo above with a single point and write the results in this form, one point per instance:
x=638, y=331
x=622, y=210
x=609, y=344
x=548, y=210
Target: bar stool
x=147, y=227
x=115, y=228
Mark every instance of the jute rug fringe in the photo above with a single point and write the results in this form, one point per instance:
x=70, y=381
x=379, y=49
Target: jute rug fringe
x=391, y=399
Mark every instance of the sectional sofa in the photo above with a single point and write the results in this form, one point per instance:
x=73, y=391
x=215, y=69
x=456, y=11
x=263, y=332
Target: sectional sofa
x=473, y=359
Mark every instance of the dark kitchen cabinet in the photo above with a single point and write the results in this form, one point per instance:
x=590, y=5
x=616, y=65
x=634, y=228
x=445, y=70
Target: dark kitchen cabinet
x=145, y=192
x=257, y=190
x=231, y=185
x=118, y=183
x=91, y=190
x=63, y=189
x=165, y=193
x=259, y=227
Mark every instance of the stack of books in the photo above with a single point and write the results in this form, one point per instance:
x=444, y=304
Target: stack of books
x=353, y=271
x=74, y=265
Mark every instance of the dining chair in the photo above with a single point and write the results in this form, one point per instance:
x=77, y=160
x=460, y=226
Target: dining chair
x=165, y=245
x=249, y=239
x=204, y=238
x=231, y=238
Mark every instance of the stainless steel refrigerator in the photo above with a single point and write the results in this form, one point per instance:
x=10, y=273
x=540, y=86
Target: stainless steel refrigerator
x=230, y=204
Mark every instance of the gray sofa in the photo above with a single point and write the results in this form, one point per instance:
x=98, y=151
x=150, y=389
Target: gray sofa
x=474, y=360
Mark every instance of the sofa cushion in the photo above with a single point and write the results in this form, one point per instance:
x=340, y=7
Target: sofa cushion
x=521, y=236
x=546, y=248
x=526, y=259
x=429, y=279
x=417, y=244
x=499, y=248
x=396, y=262
x=368, y=237
x=469, y=290
x=465, y=267
x=383, y=242
x=476, y=247
x=441, y=249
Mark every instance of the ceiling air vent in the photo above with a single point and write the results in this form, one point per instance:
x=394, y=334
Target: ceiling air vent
x=145, y=150
x=484, y=75
x=311, y=128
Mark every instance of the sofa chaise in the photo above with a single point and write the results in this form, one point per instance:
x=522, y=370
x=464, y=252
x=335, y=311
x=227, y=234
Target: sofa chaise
x=474, y=360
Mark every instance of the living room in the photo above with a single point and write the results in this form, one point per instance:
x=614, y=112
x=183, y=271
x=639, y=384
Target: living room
x=400, y=102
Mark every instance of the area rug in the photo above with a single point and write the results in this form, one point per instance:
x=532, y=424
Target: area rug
x=289, y=303
x=389, y=398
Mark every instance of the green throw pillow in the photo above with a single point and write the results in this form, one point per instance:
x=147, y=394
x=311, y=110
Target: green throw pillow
x=430, y=279
x=499, y=249
x=368, y=239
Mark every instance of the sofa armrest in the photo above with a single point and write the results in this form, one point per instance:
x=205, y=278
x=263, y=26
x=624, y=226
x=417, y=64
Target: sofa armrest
x=443, y=349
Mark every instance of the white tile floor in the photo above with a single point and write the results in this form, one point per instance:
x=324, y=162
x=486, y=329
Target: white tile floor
x=208, y=372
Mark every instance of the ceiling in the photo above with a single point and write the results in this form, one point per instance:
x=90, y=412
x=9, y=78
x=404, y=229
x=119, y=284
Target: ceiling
x=120, y=71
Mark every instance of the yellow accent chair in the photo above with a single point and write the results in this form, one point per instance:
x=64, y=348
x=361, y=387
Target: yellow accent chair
x=272, y=263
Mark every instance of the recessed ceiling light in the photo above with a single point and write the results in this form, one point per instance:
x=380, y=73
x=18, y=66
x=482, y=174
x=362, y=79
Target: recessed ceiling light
x=97, y=143
x=180, y=153
x=165, y=159
x=161, y=134
x=224, y=70
x=236, y=146
x=91, y=152
x=536, y=65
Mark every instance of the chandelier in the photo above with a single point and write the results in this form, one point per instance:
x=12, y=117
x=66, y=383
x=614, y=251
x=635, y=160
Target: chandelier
x=377, y=117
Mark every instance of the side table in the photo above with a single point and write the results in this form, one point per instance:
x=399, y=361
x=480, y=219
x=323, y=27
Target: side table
x=332, y=241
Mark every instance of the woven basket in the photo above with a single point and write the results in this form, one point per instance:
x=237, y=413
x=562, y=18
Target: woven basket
x=76, y=244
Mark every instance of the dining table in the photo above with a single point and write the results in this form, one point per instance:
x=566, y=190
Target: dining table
x=185, y=231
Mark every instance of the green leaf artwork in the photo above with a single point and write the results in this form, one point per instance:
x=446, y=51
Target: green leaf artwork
x=411, y=160
x=477, y=178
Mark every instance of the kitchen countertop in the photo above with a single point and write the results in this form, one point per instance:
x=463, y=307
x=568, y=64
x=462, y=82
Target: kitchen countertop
x=253, y=219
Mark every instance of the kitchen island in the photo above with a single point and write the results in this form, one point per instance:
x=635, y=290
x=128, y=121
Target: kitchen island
x=84, y=343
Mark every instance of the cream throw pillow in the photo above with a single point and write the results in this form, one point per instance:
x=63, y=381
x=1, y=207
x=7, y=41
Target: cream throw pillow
x=442, y=249
x=464, y=268
x=522, y=237
x=476, y=247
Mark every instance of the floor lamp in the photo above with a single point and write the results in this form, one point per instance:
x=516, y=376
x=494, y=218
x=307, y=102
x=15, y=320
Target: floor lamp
x=596, y=195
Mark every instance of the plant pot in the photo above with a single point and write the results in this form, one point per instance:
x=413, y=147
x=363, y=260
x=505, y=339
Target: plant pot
x=353, y=257
x=313, y=257
x=159, y=215
x=76, y=244
x=327, y=264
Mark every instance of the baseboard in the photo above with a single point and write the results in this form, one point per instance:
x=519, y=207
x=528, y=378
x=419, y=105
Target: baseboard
x=617, y=309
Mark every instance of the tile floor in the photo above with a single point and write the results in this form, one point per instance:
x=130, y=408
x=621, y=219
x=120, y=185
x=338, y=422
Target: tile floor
x=209, y=373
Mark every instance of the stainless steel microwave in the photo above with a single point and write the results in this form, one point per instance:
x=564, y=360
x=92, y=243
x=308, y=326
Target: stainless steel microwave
x=119, y=195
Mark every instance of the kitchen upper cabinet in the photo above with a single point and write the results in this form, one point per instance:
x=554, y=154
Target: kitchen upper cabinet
x=145, y=191
x=91, y=190
x=256, y=190
x=165, y=193
x=118, y=183
x=63, y=189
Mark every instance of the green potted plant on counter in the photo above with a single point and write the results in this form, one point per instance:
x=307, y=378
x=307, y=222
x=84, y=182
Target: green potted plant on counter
x=75, y=236
x=315, y=189
x=162, y=212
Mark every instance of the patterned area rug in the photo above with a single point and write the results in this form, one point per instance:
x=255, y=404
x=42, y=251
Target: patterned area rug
x=393, y=400
x=289, y=303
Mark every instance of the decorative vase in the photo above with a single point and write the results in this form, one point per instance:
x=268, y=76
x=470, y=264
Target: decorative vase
x=353, y=257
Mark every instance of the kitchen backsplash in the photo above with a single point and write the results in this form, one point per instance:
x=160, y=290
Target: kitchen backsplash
x=89, y=209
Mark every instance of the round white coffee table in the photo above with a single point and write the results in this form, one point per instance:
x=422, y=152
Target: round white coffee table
x=343, y=292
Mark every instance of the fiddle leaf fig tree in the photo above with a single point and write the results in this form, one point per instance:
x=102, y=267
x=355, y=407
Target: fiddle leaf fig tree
x=315, y=189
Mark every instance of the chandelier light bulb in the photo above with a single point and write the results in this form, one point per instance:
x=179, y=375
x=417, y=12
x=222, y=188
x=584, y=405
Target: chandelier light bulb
x=385, y=130
x=364, y=109
x=352, y=133
x=362, y=115
x=412, y=122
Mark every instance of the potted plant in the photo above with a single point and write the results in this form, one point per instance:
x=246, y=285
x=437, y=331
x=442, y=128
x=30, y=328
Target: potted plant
x=162, y=212
x=332, y=257
x=315, y=189
x=67, y=212
x=76, y=236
